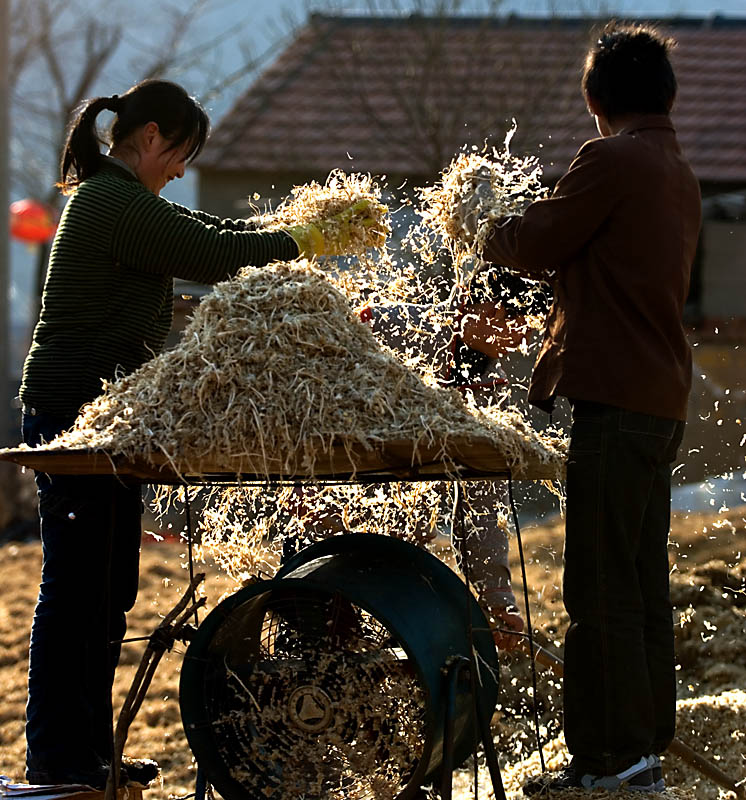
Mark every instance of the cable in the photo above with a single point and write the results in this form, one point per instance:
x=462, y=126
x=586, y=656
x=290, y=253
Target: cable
x=459, y=508
x=201, y=784
x=528, y=621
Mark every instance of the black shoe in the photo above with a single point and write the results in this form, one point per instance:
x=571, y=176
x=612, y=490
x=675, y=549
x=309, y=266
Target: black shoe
x=140, y=771
x=565, y=778
x=637, y=778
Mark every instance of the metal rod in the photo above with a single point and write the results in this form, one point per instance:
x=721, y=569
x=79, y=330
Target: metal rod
x=707, y=768
x=190, y=550
x=459, y=513
x=453, y=671
x=490, y=754
x=200, y=787
x=528, y=624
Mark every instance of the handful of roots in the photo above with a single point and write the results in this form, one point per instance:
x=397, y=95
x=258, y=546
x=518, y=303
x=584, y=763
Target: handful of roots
x=515, y=182
x=314, y=203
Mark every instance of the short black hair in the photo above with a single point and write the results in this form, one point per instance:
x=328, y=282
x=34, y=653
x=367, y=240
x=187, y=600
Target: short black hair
x=628, y=71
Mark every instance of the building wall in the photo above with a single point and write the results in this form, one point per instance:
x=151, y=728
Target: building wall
x=724, y=269
x=231, y=194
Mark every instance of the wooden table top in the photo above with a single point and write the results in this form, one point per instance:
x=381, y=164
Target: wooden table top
x=383, y=462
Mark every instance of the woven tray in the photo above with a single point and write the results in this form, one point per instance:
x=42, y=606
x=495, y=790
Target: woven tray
x=387, y=461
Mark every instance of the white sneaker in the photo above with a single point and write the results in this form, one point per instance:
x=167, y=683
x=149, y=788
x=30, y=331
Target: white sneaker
x=656, y=771
x=637, y=778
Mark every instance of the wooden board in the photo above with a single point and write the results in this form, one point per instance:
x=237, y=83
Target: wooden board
x=59, y=792
x=395, y=460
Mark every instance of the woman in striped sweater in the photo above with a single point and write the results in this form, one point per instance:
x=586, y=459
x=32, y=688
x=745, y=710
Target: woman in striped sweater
x=107, y=308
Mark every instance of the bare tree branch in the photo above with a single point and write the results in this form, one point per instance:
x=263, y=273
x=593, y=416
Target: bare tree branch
x=168, y=51
x=61, y=50
x=101, y=43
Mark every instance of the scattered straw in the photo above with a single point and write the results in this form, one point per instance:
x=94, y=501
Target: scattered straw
x=715, y=726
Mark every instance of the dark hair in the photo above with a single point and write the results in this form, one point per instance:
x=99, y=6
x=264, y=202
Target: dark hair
x=627, y=71
x=180, y=119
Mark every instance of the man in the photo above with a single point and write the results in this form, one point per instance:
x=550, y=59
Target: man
x=620, y=233
x=468, y=358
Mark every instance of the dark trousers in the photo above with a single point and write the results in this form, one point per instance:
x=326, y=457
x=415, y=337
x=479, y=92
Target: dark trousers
x=90, y=532
x=619, y=685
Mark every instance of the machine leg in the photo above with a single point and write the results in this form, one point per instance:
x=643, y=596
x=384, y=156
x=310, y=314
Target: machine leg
x=490, y=754
x=200, y=788
x=453, y=673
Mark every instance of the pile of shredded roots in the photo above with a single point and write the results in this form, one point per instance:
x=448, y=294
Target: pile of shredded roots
x=274, y=366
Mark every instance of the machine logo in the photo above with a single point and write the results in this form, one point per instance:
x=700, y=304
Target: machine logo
x=310, y=709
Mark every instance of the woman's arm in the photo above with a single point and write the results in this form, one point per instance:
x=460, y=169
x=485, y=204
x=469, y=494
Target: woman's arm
x=153, y=235
x=220, y=223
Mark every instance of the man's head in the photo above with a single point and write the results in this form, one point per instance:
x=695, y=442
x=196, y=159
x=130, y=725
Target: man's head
x=628, y=71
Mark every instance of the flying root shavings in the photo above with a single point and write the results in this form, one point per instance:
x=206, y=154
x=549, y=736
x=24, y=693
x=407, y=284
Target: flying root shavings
x=515, y=182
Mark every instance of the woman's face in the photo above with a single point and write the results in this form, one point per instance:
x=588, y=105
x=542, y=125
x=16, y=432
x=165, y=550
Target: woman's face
x=157, y=164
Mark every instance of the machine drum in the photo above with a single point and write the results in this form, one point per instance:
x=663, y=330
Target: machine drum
x=299, y=687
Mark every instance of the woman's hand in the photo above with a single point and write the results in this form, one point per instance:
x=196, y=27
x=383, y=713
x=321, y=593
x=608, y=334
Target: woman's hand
x=352, y=230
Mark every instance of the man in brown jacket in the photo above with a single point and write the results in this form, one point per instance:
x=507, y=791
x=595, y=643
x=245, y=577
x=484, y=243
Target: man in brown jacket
x=619, y=234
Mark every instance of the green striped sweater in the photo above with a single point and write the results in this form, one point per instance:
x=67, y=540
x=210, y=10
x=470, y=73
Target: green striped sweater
x=108, y=298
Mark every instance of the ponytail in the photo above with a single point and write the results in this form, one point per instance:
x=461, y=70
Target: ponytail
x=81, y=157
x=180, y=119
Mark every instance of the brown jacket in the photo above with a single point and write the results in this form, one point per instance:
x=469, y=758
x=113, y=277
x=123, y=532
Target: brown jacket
x=620, y=230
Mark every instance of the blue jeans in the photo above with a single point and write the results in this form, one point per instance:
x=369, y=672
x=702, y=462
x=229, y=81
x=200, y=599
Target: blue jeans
x=90, y=533
x=619, y=685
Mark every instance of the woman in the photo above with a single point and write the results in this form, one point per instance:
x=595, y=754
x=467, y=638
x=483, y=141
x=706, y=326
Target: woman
x=106, y=309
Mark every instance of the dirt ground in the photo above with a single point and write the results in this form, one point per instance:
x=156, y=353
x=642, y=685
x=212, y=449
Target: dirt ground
x=708, y=562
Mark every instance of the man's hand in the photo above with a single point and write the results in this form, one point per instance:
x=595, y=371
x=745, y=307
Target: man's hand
x=508, y=618
x=475, y=203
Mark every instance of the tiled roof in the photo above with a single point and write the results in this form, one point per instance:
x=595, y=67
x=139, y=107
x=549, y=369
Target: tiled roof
x=400, y=96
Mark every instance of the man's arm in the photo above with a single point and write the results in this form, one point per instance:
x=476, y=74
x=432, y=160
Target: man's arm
x=551, y=231
x=487, y=328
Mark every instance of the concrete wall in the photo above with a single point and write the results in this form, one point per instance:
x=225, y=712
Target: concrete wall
x=724, y=269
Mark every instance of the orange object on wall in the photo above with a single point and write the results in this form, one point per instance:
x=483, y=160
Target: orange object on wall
x=32, y=221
